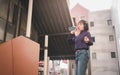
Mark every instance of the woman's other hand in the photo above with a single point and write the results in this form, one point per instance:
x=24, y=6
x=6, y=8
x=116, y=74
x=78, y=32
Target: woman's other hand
x=86, y=39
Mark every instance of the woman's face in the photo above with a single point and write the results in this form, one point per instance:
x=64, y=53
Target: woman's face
x=80, y=27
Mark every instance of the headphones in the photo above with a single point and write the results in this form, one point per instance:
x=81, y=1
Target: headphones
x=86, y=28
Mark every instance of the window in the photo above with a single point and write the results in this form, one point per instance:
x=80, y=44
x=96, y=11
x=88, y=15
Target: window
x=113, y=55
x=91, y=24
x=74, y=21
x=93, y=55
x=93, y=38
x=111, y=38
x=82, y=18
x=109, y=22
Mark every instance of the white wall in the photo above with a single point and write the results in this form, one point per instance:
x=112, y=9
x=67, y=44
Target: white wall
x=116, y=23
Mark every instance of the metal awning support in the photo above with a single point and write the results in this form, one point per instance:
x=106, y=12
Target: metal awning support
x=46, y=56
x=57, y=34
x=29, y=18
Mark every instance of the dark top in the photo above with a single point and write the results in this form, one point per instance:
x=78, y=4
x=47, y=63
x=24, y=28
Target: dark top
x=79, y=40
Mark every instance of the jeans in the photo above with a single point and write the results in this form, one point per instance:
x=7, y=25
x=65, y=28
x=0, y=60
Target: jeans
x=81, y=60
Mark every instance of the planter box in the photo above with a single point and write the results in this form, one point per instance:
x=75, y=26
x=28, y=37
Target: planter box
x=19, y=56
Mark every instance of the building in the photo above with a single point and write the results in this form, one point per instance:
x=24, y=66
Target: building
x=116, y=22
x=104, y=58
x=79, y=12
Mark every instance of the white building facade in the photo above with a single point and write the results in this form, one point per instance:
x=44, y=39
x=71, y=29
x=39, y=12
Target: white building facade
x=104, y=58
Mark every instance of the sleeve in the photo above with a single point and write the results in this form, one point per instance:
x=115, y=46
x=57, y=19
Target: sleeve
x=71, y=39
x=90, y=39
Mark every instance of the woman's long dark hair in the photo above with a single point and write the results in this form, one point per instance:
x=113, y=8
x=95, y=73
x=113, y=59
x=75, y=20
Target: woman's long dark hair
x=86, y=27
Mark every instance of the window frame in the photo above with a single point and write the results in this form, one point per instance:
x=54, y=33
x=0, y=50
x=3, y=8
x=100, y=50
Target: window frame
x=94, y=55
x=93, y=38
x=109, y=22
x=113, y=54
x=92, y=24
x=111, y=38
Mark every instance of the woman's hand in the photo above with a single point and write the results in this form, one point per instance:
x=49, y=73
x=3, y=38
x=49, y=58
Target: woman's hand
x=72, y=32
x=86, y=39
x=76, y=32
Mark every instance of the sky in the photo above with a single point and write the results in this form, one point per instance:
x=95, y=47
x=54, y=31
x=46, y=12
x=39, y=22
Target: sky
x=92, y=5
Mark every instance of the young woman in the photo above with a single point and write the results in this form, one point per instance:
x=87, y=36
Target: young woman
x=82, y=40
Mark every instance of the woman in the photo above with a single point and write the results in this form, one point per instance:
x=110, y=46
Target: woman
x=82, y=40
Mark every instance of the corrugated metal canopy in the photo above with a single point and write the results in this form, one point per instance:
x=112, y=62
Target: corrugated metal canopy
x=52, y=17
